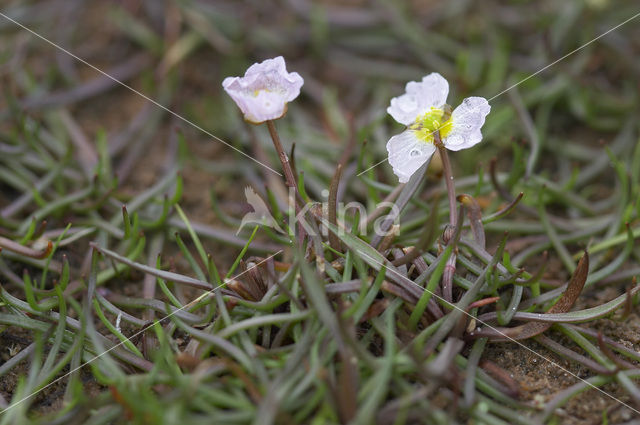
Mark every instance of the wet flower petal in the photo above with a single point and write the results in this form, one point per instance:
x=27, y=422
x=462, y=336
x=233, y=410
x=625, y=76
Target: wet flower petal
x=407, y=154
x=466, y=121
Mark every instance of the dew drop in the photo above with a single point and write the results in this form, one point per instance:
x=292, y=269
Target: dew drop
x=414, y=153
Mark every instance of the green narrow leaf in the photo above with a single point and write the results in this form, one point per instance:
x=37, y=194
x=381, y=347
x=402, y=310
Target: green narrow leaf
x=242, y=252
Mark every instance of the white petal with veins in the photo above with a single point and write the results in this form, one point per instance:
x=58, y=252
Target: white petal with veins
x=419, y=98
x=466, y=121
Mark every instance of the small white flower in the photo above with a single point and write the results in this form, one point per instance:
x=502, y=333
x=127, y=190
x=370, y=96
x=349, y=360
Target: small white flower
x=262, y=94
x=424, y=111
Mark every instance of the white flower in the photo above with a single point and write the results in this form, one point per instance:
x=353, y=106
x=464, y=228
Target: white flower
x=424, y=111
x=262, y=94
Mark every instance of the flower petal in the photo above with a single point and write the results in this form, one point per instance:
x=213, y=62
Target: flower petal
x=435, y=89
x=265, y=89
x=419, y=98
x=266, y=106
x=268, y=65
x=404, y=109
x=407, y=154
x=466, y=121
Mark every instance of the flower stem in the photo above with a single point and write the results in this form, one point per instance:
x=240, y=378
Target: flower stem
x=448, y=179
x=289, y=177
x=450, y=267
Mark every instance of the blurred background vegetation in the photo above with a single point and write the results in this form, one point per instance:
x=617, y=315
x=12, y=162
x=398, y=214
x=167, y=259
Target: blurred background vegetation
x=76, y=146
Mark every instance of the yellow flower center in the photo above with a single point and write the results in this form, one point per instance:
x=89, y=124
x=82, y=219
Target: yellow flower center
x=432, y=121
x=257, y=92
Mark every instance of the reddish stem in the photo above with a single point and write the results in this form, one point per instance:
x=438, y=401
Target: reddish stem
x=450, y=267
x=289, y=177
